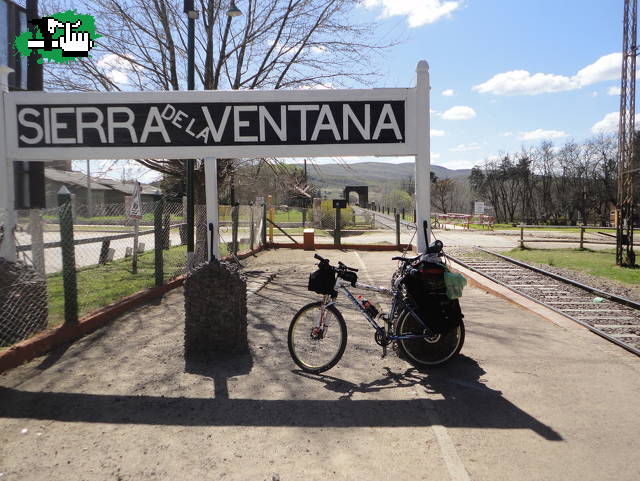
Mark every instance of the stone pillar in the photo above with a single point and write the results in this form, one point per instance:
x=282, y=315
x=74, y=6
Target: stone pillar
x=215, y=297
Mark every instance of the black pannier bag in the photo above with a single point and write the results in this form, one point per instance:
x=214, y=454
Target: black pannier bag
x=429, y=292
x=322, y=281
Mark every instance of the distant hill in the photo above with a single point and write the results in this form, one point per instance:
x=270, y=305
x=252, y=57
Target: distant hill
x=373, y=173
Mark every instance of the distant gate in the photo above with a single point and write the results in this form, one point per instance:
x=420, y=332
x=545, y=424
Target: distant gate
x=361, y=190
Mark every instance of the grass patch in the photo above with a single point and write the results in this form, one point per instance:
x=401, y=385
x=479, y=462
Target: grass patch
x=100, y=285
x=599, y=263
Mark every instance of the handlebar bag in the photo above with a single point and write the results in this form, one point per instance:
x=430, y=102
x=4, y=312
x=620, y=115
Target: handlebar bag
x=322, y=281
x=350, y=276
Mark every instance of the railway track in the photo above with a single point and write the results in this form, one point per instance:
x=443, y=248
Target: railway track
x=612, y=317
x=387, y=221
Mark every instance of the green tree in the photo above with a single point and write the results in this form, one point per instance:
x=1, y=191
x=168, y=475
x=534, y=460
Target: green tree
x=399, y=199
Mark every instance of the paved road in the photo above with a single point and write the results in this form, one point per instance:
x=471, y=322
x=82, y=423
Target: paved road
x=88, y=254
x=528, y=400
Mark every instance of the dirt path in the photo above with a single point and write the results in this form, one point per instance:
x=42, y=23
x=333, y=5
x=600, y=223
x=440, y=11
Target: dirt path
x=121, y=404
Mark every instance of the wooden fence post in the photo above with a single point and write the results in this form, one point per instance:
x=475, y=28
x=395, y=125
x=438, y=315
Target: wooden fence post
x=158, y=236
x=69, y=279
x=37, y=241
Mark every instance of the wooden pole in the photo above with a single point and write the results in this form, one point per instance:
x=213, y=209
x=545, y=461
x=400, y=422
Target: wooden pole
x=69, y=280
x=158, y=237
x=271, y=217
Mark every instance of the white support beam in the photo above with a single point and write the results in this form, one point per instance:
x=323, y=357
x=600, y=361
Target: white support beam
x=423, y=155
x=211, y=191
x=7, y=196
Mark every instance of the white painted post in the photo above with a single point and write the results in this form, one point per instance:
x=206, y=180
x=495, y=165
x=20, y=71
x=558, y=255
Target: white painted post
x=211, y=191
x=423, y=155
x=7, y=196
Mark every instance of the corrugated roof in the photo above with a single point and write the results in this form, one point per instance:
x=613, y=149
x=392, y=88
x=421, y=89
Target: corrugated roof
x=72, y=177
x=79, y=179
x=127, y=187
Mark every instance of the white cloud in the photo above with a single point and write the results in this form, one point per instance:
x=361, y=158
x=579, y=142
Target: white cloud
x=522, y=82
x=607, y=67
x=418, y=12
x=594, y=94
x=320, y=86
x=116, y=68
x=318, y=49
x=466, y=148
x=540, y=134
x=506, y=134
x=448, y=92
x=459, y=112
x=608, y=124
x=613, y=90
x=437, y=133
x=435, y=155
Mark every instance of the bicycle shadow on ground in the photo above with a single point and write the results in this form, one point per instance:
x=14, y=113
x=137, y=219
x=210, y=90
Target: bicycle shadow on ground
x=468, y=401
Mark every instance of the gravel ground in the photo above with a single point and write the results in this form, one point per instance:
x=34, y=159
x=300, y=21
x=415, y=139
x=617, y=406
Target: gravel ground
x=607, y=285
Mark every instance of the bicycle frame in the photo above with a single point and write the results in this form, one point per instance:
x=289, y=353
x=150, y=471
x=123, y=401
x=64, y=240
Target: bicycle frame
x=342, y=285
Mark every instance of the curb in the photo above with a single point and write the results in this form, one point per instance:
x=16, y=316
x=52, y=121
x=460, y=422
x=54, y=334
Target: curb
x=45, y=341
x=476, y=280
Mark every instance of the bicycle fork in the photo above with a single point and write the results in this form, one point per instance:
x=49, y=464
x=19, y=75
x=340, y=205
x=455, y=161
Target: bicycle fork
x=320, y=330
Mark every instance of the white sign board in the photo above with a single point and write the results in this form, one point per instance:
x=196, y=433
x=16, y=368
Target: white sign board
x=181, y=125
x=478, y=207
x=135, y=211
x=215, y=124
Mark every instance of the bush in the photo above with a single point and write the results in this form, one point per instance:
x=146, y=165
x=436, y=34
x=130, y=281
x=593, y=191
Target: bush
x=328, y=215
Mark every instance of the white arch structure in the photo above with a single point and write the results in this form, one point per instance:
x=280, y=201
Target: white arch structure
x=45, y=126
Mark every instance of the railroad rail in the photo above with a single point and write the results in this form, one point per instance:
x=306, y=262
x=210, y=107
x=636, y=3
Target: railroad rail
x=612, y=317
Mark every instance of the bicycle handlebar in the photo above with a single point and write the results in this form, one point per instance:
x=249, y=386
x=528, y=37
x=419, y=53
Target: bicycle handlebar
x=340, y=264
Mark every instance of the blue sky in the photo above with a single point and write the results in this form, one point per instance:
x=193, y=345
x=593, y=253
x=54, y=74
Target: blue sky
x=504, y=73
x=537, y=49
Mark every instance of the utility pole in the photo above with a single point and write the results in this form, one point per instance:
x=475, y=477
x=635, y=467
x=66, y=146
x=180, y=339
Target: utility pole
x=189, y=165
x=192, y=15
x=625, y=256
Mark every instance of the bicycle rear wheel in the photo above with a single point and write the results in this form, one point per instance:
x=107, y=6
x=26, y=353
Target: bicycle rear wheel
x=313, y=349
x=430, y=351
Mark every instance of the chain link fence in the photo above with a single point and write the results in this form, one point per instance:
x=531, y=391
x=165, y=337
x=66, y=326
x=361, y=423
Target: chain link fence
x=72, y=262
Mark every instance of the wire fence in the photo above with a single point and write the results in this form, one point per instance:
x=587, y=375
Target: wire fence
x=71, y=264
x=72, y=261
x=351, y=225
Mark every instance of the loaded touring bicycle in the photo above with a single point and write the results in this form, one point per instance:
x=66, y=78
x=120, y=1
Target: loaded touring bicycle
x=424, y=322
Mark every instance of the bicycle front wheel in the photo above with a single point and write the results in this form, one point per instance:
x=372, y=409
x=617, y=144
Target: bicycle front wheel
x=317, y=337
x=429, y=351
